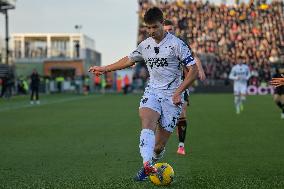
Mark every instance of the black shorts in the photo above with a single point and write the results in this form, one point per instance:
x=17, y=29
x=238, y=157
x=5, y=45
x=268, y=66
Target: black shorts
x=279, y=90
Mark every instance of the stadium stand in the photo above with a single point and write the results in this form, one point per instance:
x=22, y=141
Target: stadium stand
x=222, y=34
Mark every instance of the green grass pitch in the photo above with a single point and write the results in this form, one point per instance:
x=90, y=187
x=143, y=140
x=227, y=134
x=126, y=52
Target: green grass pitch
x=72, y=141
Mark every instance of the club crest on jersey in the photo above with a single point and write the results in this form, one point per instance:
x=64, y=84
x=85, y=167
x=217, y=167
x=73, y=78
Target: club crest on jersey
x=157, y=62
x=172, y=49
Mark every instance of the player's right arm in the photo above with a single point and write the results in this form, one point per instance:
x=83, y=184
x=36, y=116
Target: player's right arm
x=233, y=75
x=125, y=62
x=121, y=64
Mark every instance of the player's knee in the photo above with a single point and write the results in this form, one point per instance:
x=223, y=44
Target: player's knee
x=150, y=126
x=147, y=123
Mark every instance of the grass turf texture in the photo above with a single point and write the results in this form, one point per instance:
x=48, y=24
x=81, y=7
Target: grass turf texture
x=91, y=141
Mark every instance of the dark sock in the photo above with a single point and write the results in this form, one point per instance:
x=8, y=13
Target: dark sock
x=182, y=125
x=281, y=106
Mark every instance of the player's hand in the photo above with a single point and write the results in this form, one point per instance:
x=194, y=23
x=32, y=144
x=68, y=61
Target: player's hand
x=277, y=82
x=97, y=70
x=239, y=78
x=177, y=99
x=201, y=75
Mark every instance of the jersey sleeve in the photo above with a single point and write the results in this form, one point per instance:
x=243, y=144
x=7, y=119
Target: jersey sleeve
x=184, y=54
x=136, y=55
x=233, y=75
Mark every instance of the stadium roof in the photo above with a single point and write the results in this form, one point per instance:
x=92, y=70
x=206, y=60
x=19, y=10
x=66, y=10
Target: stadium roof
x=7, y=4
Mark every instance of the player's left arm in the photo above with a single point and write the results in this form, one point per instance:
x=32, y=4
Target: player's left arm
x=188, y=81
x=201, y=73
x=186, y=57
x=233, y=75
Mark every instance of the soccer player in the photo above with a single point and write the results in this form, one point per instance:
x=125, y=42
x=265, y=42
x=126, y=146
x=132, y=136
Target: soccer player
x=182, y=121
x=35, y=81
x=279, y=91
x=240, y=74
x=162, y=99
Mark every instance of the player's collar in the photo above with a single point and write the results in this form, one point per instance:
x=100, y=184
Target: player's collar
x=163, y=40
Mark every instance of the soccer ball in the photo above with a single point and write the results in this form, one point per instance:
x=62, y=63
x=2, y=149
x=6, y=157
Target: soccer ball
x=164, y=176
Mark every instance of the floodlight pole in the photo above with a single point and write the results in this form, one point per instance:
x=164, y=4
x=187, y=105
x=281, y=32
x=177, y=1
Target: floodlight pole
x=4, y=7
x=7, y=36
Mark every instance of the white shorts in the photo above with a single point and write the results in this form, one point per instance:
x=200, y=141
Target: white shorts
x=240, y=89
x=163, y=104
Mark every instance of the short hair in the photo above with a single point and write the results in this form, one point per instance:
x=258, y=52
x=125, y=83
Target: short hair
x=168, y=23
x=153, y=15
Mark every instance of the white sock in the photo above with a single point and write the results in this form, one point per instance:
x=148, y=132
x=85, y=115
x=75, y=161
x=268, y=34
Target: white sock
x=181, y=144
x=157, y=157
x=147, y=144
x=237, y=102
x=243, y=99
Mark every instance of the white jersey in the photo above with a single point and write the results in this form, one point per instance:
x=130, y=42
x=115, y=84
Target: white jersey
x=163, y=61
x=240, y=73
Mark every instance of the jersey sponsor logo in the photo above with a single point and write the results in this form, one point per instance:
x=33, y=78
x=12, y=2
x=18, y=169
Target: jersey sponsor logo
x=241, y=73
x=157, y=62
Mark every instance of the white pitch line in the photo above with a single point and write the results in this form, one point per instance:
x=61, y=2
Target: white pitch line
x=45, y=102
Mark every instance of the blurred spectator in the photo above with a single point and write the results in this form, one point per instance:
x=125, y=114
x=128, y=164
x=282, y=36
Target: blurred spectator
x=4, y=81
x=86, y=86
x=22, y=85
x=35, y=81
x=103, y=85
x=59, y=82
x=126, y=83
x=221, y=33
x=119, y=83
x=97, y=83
